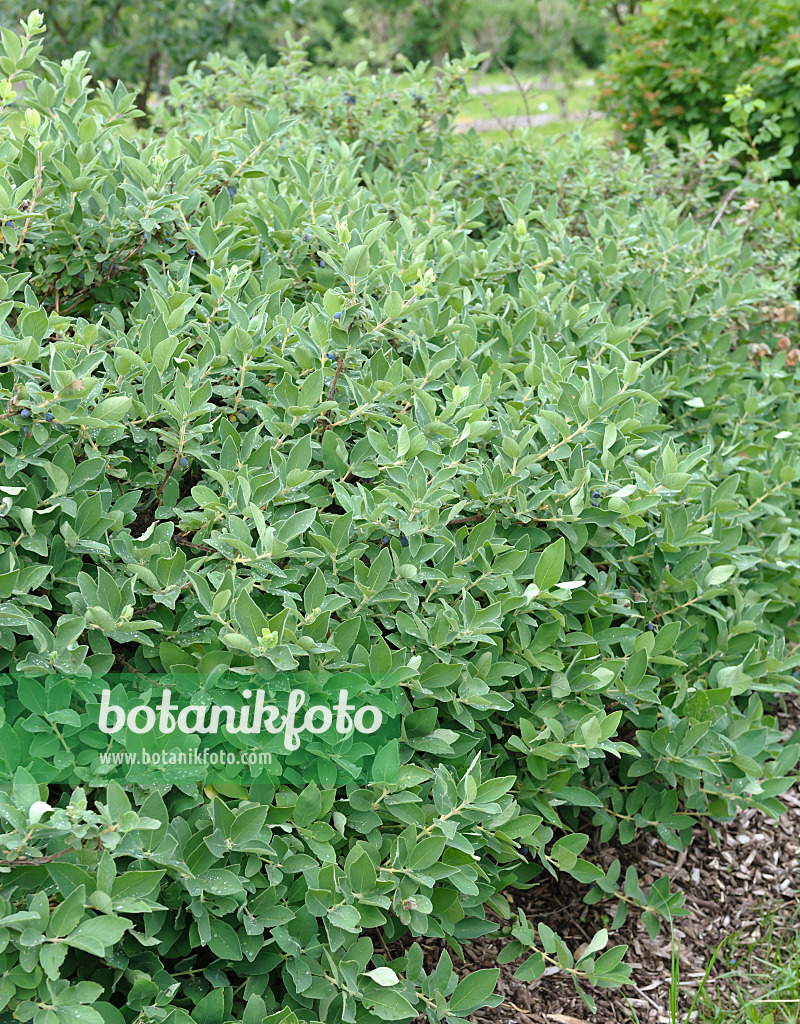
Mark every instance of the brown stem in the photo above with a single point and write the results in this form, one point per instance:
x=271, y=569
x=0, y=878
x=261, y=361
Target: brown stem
x=37, y=860
x=332, y=389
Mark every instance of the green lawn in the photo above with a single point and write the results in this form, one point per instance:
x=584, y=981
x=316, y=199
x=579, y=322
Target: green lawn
x=538, y=98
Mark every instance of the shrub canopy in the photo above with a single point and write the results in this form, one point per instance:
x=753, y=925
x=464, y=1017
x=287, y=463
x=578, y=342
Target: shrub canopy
x=675, y=61
x=300, y=381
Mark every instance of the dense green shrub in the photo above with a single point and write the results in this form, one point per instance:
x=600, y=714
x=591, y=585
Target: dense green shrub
x=676, y=60
x=541, y=468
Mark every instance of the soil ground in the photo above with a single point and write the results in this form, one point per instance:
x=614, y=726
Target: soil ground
x=739, y=879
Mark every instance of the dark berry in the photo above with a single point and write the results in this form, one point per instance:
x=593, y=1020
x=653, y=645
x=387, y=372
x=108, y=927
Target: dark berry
x=385, y=539
x=595, y=504
x=25, y=413
x=115, y=266
x=333, y=357
x=404, y=542
x=184, y=461
x=337, y=316
x=322, y=263
x=305, y=238
x=651, y=628
x=796, y=672
x=231, y=191
x=595, y=494
x=81, y=277
x=49, y=417
x=192, y=252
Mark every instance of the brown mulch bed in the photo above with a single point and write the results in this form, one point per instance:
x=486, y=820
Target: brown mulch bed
x=730, y=882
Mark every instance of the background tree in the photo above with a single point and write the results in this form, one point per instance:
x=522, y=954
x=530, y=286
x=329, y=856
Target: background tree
x=145, y=42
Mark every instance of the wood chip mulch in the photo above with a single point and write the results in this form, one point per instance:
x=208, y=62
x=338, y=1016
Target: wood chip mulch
x=734, y=882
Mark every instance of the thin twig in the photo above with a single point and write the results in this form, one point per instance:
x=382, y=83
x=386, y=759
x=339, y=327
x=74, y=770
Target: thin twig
x=723, y=207
x=182, y=539
x=36, y=860
x=332, y=389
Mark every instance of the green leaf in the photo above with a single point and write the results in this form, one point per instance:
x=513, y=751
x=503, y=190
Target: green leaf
x=356, y=262
x=211, y=1008
x=308, y=806
x=388, y=1005
x=224, y=942
x=384, y=976
x=68, y=914
x=550, y=565
x=474, y=991
x=99, y=934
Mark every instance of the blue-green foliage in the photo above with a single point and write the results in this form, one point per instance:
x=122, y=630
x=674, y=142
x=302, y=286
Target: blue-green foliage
x=531, y=467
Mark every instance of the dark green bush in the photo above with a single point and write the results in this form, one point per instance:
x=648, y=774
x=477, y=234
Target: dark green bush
x=538, y=469
x=145, y=42
x=676, y=60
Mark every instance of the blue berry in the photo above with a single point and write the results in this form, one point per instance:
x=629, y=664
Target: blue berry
x=49, y=417
x=305, y=237
x=337, y=316
x=232, y=191
x=116, y=265
x=650, y=627
x=322, y=263
x=595, y=494
x=25, y=413
x=796, y=672
x=385, y=538
x=192, y=252
x=184, y=461
x=404, y=542
x=81, y=277
x=595, y=504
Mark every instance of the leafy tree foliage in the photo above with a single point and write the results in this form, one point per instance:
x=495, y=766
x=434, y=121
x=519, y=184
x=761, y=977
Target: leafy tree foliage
x=675, y=61
x=144, y=42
